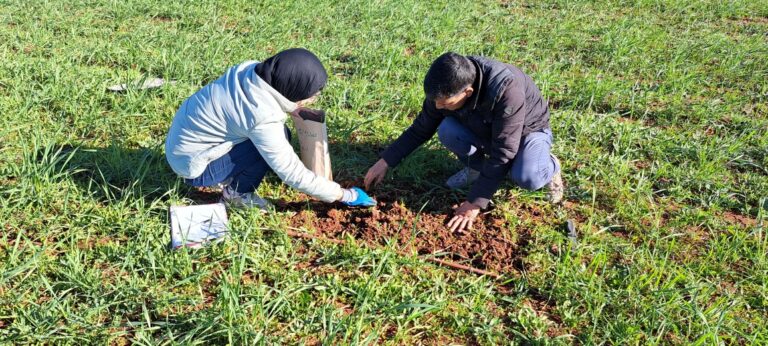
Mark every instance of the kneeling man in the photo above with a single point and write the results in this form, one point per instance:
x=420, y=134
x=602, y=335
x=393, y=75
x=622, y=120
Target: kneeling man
x=493, y=117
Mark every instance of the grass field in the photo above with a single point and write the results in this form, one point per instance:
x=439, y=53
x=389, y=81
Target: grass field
x=660, y=113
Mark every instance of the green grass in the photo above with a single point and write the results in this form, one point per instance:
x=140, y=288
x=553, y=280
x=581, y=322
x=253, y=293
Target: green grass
x=660, y=117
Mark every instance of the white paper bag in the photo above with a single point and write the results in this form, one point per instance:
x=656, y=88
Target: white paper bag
x=313, y=141
x=194, y=226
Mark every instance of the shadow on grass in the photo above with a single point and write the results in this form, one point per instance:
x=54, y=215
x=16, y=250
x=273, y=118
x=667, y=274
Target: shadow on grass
x=418, y=182
x=117, y=172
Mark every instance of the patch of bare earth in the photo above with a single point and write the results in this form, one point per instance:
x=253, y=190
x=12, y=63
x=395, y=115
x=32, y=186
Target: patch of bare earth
x=489, y=245
x=486, y=246
x=739, y=220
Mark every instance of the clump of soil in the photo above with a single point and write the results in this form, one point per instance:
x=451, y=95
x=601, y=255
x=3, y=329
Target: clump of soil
x=488, y=245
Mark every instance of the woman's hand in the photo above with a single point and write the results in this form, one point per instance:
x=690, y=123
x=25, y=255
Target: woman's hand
x=375, y=174
x=356, y=197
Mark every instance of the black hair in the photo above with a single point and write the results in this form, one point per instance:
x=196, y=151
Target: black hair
x=448, y=75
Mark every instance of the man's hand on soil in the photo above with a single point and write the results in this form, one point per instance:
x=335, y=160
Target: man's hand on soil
x=375, y=174
x=463, y=217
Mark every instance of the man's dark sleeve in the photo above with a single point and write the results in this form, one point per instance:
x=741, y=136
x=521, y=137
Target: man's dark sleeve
x=422, y=129
x=507, y=129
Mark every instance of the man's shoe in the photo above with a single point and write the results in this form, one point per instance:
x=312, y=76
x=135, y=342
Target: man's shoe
x=462, y=178
x=556, y=187
x=234, y=199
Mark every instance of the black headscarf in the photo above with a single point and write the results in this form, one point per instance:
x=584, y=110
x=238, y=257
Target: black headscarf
x=295, y=73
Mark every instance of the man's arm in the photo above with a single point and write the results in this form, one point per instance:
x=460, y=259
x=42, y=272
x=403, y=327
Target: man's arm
x=507, y=129
x=422, y=129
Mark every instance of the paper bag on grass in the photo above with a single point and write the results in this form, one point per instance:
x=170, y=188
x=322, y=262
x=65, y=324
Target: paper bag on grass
x=313, y=141
x=149, y=83
x=197, y=225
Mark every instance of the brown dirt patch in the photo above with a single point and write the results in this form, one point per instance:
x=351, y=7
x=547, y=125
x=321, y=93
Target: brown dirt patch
x=162, y=19
x=750, y=20
x=738, y=219
x=489, y=245
x=92, y=242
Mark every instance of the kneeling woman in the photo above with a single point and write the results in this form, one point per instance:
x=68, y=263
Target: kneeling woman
x=232, y=132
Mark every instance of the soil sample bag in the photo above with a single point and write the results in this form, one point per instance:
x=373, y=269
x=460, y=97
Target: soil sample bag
x=195, y=226
x=313, y=141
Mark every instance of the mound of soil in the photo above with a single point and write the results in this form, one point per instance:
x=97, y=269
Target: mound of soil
x=488, y=245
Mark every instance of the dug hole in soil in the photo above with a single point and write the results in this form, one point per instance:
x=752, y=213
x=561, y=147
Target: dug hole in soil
x=488, y=245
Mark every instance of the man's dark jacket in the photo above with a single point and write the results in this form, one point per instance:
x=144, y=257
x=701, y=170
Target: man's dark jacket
x=505, y=107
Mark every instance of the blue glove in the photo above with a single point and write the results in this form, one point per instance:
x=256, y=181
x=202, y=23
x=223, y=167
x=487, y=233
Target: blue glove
x=356, y=197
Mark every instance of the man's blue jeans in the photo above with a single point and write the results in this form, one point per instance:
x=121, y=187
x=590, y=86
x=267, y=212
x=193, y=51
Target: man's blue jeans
x=243, y=164
x=532, y=167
